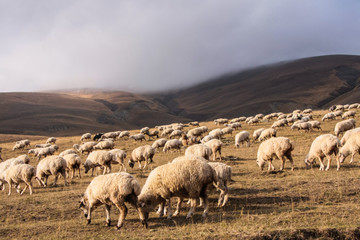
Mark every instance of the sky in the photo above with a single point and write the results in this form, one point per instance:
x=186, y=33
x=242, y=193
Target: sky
x=160, y=45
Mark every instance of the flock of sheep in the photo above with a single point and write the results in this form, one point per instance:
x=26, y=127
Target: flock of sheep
x=185, y=177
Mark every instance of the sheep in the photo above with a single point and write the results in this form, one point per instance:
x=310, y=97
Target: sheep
x=328, y=116
x=195, y=123
x=343, y=126
x=159, y=143
x=307, y=111
x=85, y=136
x=97, y=136
x=353, y=106
x=25, y=141
x=280, y=123
x=338, y=113
x=306, y=126
x=138, y=137
x=216, y=133
x=279, y=147
x=227, y=130
x=143, y=153
x=253, y=121
x=154, y=133
x=267, y=133
x=144, y=130
x=43, y=152
x=118, y=158
x=85, y=147
x=19, y=173
x=107, y=144
x=166, y=132
x=221, y=121
x=51, y=165
x=235, y=125
x=223, y=173
x=242, y=137
x=172, y=144
x=51, y=140
x=67, y=151
x=42, y=145
x=6, y=164
x=73, y=162
x=339, y=108
x=185, y=179
x=19, y=146
x=348, y=114
x=98, y=158
x=352, y=146
x=257, y=133
x=315, y=124
x=196, y=132
x=23, y=158
x=323, y=146
x=347, y=134
x=215, y=146
x=200, y=150
x=175, y=133
x=114, y=188
x=206, y=138
x=109, y=135
x=124, y=134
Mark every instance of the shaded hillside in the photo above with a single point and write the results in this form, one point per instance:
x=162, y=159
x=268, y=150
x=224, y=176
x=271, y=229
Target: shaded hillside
x=314, y=82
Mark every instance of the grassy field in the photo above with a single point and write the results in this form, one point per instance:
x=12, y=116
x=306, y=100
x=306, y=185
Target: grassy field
x=299, y=204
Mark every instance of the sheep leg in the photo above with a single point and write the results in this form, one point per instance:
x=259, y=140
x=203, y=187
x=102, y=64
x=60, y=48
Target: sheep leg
x=108, y=219
x=169, y=208
x=178, y=205
x=160, y=211
x=46, y=179
x=328, y=164
x=226, y=194
x=92, y=172
x=220, y=154
x=282, y=162
x=337, y=163
x=352, y=157
x=79, y=172
x=73, y=173
x=322, y=167
x=139, y=164
x=10, y=185
x=88, y=217
x=26, y=186
x=291, y=161
x=206, y=205
x=192, y=208
x=123, y=212
x=55, y=180
x=63, y=173
x=144, y=165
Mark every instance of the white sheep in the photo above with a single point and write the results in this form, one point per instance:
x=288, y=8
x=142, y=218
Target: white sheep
x=172, y=144
x=221, y=121
x=306, y=126
x=114, y=188
x=143, y=153
x=42, y=145
x=279, y=147
x=85, y=147
x=323, y=146
x=124, y=134
x=200, y=150
x=19, y=173
x=195, y=132
x=176, y=133
x=352, y=146
x=8, y=163
x=195, y=123
x=227, y=130
x=242, y=137
x=43, y=152
x=347, y=134
x=144, y=130
x=109, y=135
x=215, y=146
x=280, y=123
x=267, y=133
x=216, y=133
x=353, y=106
x=153, y=133
x=315, y=124
x=51, y=165
x=118, y=158
x=307, y=111
x=328, y=116
x=19, y=146
x=343, y=126
x=25, y=141
x=223, y=173
x=51, y=140
x=138, y=137
x=185, y=179
x=73, y=162
x=159, y=143
x=67, y=151
x=85, y=136
x=257, y=133
x=348, y=114
x=206, y=138
x=338, y=113
x=107, y=144
x=99, y=158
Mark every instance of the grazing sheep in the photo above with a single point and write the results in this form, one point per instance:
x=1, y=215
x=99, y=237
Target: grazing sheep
x=227, y=130
x=143, y=153
x=19, y=146
x=352, y=146
x=307, y=111
x=51, y=140
x=6, y=164
x=124, y=134
x=85, y=136
x=42, y=145
x=348, y=114
x=195, y=123
x=67, y=151
x=215, y=146
x=73, y=162
x=42, y=152
x=323, y=146
x=172, y=144
x=279, y=147
x=347, y=134
x=51, y=165
x=176, y=133
x=257, y=133
x=23, y=158
x=306, y=126
x=216, y=133
x=97, y=136
x=107, y=144
x=138, y=137
x=85, y=147
x=235, y=125
x=353, y=106
x=200, y=150
x=315, y=124
x=159, y=143
x=280, y=123
x=114, y=188
x=99, y=158
x=118, y=158
x=338, y=113
x=25, y=141
x=223, y=173
x=109, y=135
x=328, y=116
x=185, y=179
x=154, y=133
x=19, y=173
x=267, y=133
x=253, y=121
x=144, y=130
x=195, y=132
x=221, y=121
x=242, y=137
x=206, y=138
x=343, y=126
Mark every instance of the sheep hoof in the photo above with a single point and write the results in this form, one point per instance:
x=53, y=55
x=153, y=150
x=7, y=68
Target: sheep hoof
x=108, y=223
x=118, y=227
x=88, y=221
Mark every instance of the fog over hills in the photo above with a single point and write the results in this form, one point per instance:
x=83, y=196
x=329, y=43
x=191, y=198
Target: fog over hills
x=316, y=82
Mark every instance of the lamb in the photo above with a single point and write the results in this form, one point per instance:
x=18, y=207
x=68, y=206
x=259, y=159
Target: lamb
x=215, y=146
x=352, y=146
x=347, y=134
x=143, y=153
x=267, y=133
x=216, y=133
x=323, y=146
x=257, y=133
x=328, y=116
x=138, y=137
x=85, y=136
x=242, y=137
x=172, y=144
x=114, y=188
x=19, y=173
x=98, y=158
x=118, y=158
x=200, y=150
x=348, y=114
x=159, y=143
x=51, y=140
x=279, y=147
x=107, y=144
x=85, y=147
x=51, y=165
x=67, y=151
x=185, y=179
x=343, y=126
x=42, y=145
x=124, y=134
x=176, y=133
x=315, y=124
x=73, y=162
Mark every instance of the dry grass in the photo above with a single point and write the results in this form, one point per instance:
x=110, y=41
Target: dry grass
x=305, y=203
